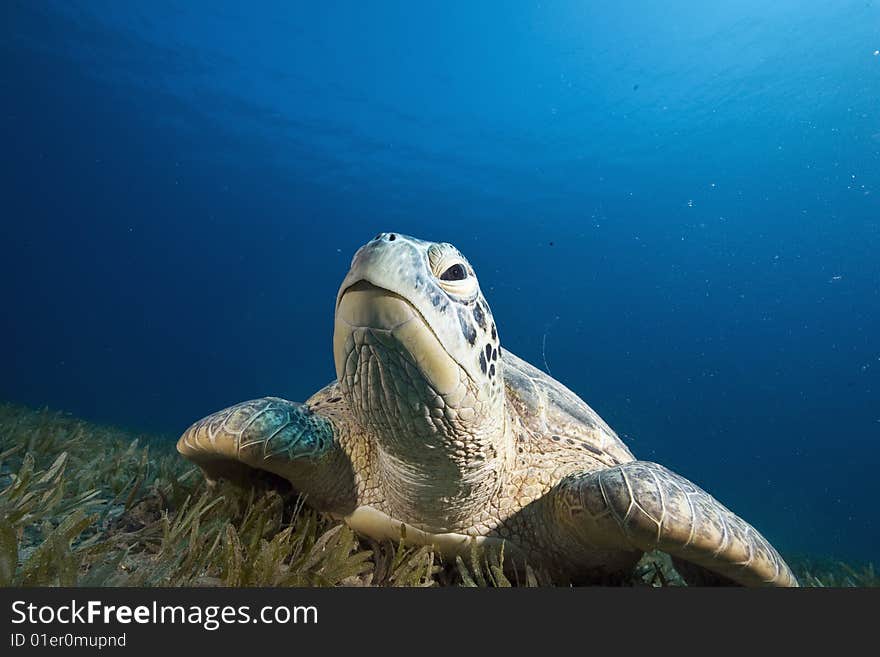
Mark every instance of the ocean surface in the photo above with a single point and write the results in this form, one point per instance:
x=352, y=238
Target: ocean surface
x=673, y=207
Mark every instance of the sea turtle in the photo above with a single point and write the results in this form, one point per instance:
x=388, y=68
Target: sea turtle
x=431, y=430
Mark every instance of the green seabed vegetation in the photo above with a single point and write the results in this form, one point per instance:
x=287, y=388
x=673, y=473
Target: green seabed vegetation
x=86, y=505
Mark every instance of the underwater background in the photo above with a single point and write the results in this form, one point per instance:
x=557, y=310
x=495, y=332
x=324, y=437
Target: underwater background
x=673, y=207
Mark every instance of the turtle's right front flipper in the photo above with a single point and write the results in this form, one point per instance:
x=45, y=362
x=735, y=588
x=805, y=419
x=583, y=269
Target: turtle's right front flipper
x=643, y=506
x=271, y=434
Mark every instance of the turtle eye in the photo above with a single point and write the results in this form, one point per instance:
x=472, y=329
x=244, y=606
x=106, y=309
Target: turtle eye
x=455, y=273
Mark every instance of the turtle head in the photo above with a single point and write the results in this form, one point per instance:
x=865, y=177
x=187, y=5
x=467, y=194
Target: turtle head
x=418, y=358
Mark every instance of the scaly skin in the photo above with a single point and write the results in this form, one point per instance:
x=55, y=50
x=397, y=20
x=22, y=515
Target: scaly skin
x=277, y=436
x=430, y=425
x=646, y=506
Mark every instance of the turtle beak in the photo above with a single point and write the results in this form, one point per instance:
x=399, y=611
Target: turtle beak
x=366, y=305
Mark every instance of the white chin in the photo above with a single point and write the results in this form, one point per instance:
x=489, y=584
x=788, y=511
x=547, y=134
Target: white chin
x=367, y=314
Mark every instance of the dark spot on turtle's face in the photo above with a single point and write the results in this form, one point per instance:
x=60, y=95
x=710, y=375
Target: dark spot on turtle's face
x=555, y=438
x=467, y=329
x=491, y=370
x=590, y=448
x=435, y=299
x=494, y=333
x=333, y=400
x=483, y=362
x=480, y=316
x=494, y=354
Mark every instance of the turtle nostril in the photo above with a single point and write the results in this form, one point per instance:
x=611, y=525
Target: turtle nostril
x=392, y=237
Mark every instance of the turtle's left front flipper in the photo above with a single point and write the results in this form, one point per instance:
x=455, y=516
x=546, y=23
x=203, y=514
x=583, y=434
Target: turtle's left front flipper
x=643, y=506
x=274, y=435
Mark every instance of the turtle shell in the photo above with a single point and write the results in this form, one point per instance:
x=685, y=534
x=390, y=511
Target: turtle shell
x=548, y=408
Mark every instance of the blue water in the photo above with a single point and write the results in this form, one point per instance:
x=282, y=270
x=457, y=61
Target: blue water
x=674, y=208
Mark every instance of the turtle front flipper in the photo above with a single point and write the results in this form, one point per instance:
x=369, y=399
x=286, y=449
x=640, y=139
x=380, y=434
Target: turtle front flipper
x=643, y=506
x=278, y=436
